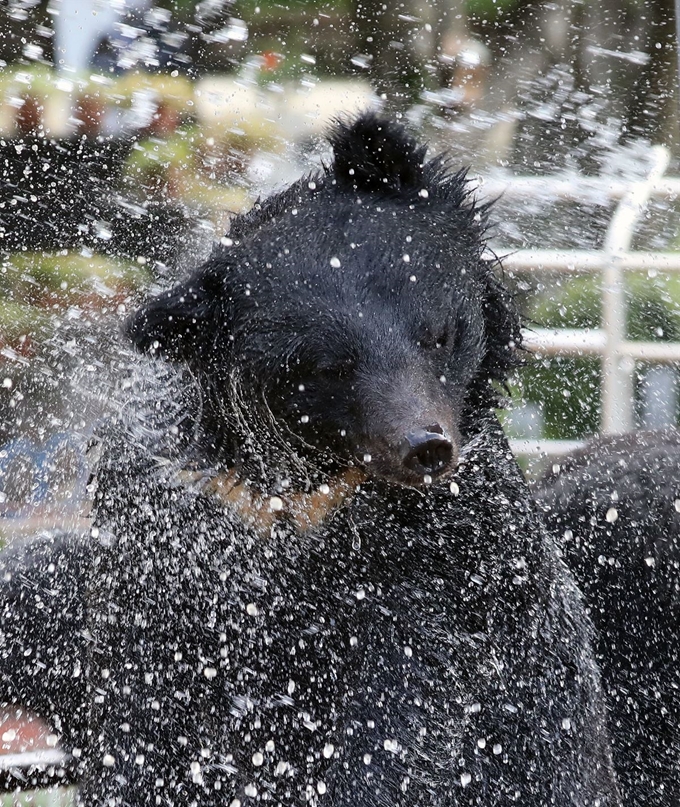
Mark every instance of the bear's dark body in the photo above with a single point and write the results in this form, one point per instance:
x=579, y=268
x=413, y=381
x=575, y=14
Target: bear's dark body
x=419, y=641
x=43, y=631
x=615, y=507
x=498, y=683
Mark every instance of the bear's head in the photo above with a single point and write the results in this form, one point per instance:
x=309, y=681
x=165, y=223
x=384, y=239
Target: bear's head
x=351, y=320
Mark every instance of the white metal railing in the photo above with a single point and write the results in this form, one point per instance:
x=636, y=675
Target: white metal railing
x=612, y=262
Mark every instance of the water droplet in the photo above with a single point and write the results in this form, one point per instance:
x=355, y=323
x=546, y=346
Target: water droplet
x=335, y=263
x=328, y=750
x=235, y=31
x=258, y=759
x=362, y=60
x=252, y=609
x=453, y=487
x=612, y=515
x=275, y=504
x=465, y=779
x=109, y=760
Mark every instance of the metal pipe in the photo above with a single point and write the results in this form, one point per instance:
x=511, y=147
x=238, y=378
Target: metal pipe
x=584, y=190
x=546, y=448
x=618, y=369
x=565, y=341
x=581, y=261
x=581, y=342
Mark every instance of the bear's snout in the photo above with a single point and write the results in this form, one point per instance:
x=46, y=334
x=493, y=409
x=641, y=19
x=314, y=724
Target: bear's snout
x=427, y=451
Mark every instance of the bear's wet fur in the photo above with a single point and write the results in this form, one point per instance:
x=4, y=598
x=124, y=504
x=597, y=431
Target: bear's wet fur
x=319, y=575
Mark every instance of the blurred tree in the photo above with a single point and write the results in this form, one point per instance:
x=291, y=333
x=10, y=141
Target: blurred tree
x=578, y=77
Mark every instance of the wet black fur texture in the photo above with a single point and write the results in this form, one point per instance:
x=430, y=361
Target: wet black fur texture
x=422, y=646
x=43, y=631
x=628, y=571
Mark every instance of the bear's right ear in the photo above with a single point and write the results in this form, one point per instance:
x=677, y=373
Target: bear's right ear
x=171, y=324
x=374, y=154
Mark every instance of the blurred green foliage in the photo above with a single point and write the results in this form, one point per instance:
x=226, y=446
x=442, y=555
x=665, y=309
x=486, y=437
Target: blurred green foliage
x=43, y=278
x=36, y=288
x=55, y=797
x=490, y=8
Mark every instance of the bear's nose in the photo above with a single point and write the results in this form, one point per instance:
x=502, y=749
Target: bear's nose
x=427, y=451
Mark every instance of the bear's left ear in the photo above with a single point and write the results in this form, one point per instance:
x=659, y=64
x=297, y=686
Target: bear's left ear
x=171, y=324
x=503, y=326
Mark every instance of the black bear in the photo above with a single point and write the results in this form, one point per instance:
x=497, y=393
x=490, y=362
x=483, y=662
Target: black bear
x=318, y=575
x=616, y=506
